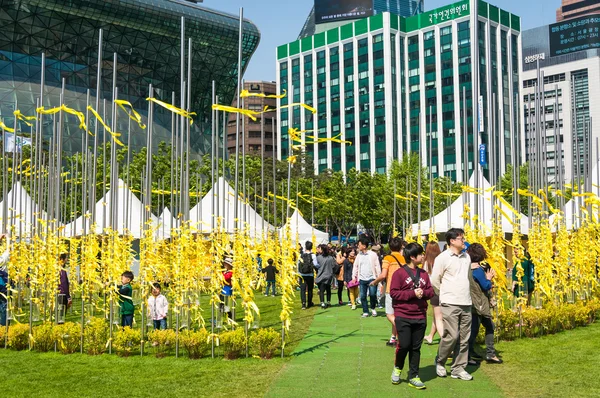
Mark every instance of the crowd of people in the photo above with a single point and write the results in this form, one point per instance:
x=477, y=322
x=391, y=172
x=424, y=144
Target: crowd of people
x=456, y=282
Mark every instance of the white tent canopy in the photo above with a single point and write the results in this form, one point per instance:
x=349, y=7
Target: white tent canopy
x=129, y=211
x=21, y=212
x=301, y=228
x=166, y=221
x=451, y=217
x=222, y=193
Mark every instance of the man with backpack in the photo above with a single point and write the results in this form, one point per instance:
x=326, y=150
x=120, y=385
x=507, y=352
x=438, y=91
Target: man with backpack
x=306, y=270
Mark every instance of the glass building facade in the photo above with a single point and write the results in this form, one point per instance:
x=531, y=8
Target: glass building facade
x=392, y=85
x=145, y=35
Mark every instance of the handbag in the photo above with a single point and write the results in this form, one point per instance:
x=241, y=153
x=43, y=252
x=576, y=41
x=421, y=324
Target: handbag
x=353, y=284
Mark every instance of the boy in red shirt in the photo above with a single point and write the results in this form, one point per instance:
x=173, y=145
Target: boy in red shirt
x=410, y=289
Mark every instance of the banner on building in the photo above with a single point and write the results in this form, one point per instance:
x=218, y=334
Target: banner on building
x=339, y=10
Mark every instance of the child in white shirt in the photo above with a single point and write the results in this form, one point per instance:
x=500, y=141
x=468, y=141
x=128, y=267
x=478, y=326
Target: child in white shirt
x=158, y=308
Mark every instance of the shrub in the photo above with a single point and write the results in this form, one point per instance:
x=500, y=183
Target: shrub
x=44, y=337
x=68, y=336
x=196, y=344
x=125, y=341
x=162, y=341
x=233, y=343
x=264, y=342
x=507, y=328
x=18, y=336
x=96, y=336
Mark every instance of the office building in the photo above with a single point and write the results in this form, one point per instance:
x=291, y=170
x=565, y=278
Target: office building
x=568, y=56
x=392, y=85
x=570, y=9
x=252, y=128
x=144, y=34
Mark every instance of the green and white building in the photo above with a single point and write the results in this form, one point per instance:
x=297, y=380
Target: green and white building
x=392, y=85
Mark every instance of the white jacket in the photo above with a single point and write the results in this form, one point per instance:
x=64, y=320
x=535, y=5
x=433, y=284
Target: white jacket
x=157, y=307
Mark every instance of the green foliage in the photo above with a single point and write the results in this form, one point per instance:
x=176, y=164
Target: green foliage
x=18, y=336
x=196, y=344
x=96, y=336
x=44, y=337
x=125, y=341
x=163, y=341
x=233, y=343
x=68, y=336
x=264, y=342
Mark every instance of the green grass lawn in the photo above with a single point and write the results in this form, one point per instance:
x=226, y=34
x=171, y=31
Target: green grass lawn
x=26, y=374
x=560, y=365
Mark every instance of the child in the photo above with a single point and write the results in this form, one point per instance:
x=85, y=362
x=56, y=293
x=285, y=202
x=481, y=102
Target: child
x=227, y=290
x=410, y=289
x=158, y=308
x=125, y=293
x=270, y=270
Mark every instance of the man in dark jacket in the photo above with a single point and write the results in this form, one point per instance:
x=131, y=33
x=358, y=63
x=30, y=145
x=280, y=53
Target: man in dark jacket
x=64, y=294
x=270, y=272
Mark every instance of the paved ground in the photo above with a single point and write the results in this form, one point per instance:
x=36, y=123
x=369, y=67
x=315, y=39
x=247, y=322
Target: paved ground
x=344, y=355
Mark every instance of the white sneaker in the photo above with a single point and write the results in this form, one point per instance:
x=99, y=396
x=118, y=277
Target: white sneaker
x=353, y=307
x=463, y=375
x=373, y=313
x=365, y=315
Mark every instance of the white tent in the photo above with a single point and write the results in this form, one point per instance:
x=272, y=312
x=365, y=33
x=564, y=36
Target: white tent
x=451, y=217
x=21, y=210
x=128, y=209
x=203, y=215
x=165, y=222
x=301, y=228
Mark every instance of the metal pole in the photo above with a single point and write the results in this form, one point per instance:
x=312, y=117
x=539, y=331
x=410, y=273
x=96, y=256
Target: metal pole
x=237, y=118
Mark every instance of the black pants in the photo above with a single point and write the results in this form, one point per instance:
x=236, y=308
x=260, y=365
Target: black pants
x=410, y=338
x=307, y=284
x=324, y=287
x=488, y=324
x=341, y=290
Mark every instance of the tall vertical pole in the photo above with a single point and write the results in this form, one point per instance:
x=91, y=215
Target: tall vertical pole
x=237, y=119
x=92, y=204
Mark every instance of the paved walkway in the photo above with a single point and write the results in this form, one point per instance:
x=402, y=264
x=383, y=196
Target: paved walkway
x=344, y=355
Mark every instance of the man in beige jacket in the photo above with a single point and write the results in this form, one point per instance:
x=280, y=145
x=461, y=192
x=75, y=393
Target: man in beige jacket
x=450, y=277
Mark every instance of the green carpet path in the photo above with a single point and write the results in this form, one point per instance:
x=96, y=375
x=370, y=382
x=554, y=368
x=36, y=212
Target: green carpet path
x=344, y=355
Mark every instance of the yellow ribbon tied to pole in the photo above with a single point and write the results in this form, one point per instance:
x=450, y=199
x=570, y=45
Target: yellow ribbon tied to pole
x=133, y=115
x=52, y=111
x=251, y=114
x=246, y=93
x=5, y=127
x=24, y=118
x=174, y=109
x=112, y=133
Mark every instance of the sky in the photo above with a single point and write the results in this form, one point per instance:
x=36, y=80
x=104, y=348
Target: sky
x=280, y=22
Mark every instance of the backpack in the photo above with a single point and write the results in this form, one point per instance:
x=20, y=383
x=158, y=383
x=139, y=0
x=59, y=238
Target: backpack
x=306, y=266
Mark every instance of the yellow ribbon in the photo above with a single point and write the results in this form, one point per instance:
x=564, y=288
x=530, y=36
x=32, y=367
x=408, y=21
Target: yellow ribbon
x=246, y=93
x=24, y=118
x=251, y=114
x=174, y=109
x=133, y=115
x=498, y=195
x=5, y=127
x=113, y=134
x=550, y=207
x=41, y=110
x=536, y=200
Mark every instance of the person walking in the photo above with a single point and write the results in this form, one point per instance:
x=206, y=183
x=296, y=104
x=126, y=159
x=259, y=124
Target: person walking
x=432, y=250
x=339, y=275
x=450, y=277
x=324, y=274
x=366, y=270
x=306, y=269
x=480, y=280
x=391, y=264
x=410, y=290
x=351, y=286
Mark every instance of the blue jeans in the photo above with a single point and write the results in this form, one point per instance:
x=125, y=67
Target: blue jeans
x=3, y=313
x=127, y=320
x=160, y=324
x=364, y=286
x=272, y=285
